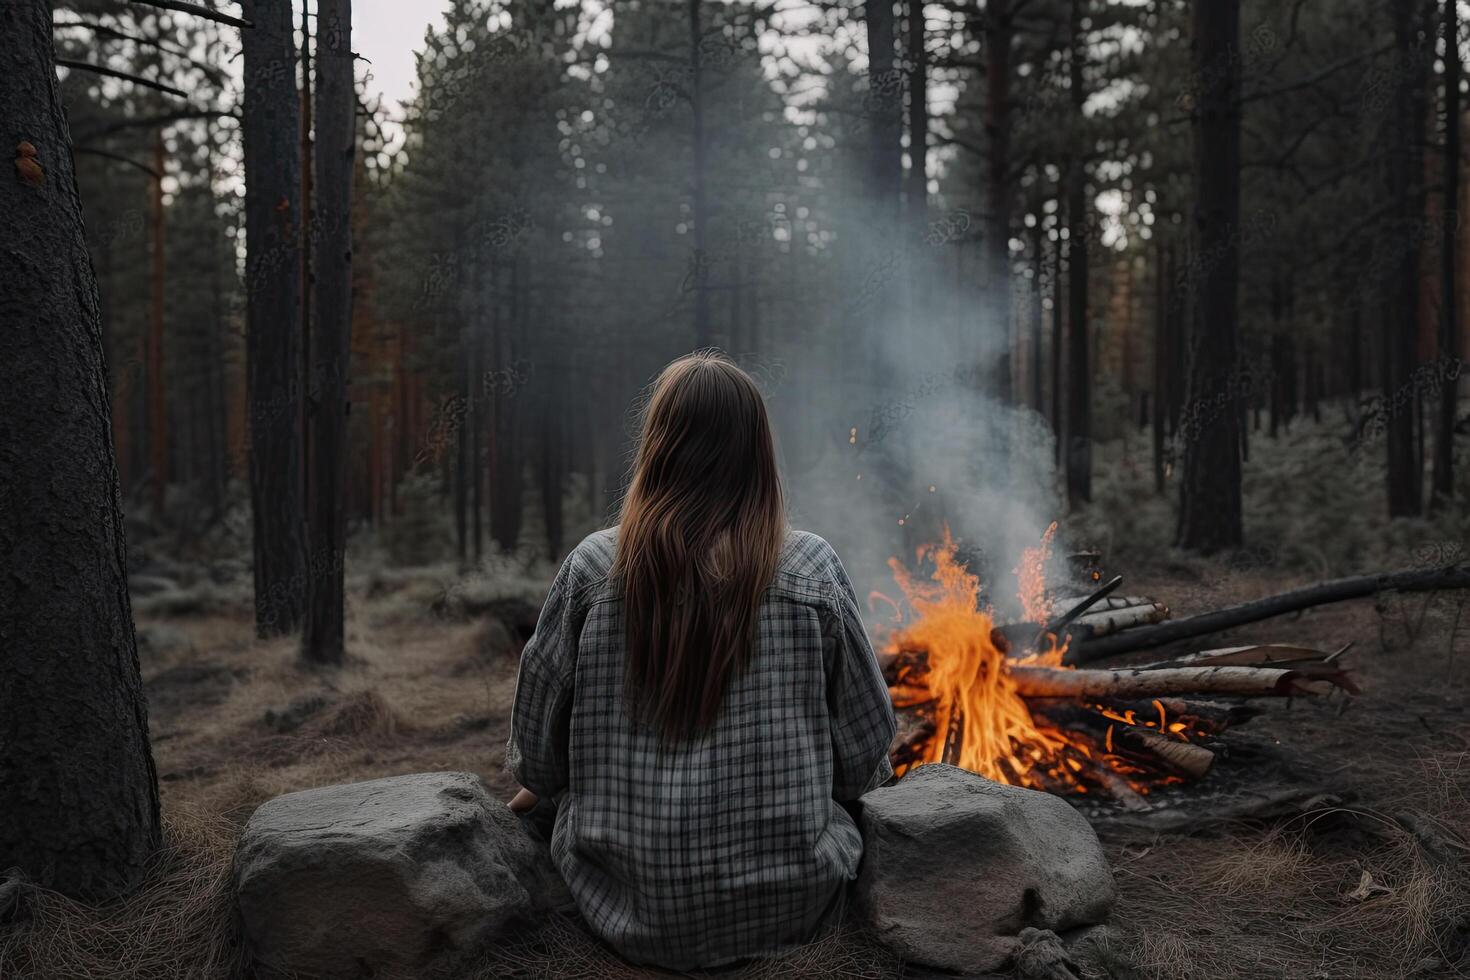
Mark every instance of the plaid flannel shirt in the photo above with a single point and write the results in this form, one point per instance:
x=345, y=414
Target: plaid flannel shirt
x=731, y=845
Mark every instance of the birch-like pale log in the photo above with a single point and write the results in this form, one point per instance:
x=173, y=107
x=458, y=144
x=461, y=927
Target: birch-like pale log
x=1048, y=682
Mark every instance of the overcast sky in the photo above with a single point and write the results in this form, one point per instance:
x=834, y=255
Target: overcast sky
x=387, y=33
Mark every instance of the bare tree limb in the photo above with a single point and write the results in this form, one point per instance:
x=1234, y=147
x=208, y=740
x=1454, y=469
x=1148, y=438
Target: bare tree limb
x=1313, y=78
x=125, y=76
x=109, y=155
x=212, y=72
x=197, y=10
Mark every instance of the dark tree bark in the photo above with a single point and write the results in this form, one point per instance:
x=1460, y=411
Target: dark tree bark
x=885, y=101
x=477, y=396
x=1058, y=340
x=1037, y=396
x=270, y=131
x=1278, y=360
x=1355, y=355
x=1401, y=299
x=506, y=485
x=883, y=108
x=464, y=463
x=1079, y=361
x=1161, y=361
x=1210, y=508
x=1443, y=479
x=998, y=166
x=307, y=290
x=217, y=475
x=553, y=463
x=918, y=178
x=335, y=155
x=702, y=327
x=79, y=791
x=157, y=410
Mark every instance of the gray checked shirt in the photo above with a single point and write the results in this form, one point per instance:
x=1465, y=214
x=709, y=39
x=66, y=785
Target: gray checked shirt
x=702, y=852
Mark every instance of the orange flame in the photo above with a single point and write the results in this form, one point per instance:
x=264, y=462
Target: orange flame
x=955, y=678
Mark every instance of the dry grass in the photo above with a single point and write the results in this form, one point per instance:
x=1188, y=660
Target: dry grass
x=179, y=924
x=1355, y=891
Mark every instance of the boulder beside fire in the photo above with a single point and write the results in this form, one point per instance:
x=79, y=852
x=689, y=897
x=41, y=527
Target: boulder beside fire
x=409, y=875
x=398, y=876
x=955, y=866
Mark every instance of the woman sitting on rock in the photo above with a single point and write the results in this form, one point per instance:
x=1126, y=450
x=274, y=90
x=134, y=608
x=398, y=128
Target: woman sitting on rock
x=700, y=697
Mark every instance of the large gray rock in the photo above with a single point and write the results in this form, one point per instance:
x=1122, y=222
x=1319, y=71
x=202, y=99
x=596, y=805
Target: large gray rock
x=390, y=877
x=955, y=866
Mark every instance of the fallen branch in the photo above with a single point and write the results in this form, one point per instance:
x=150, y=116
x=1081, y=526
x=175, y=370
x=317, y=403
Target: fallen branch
x=1356, y=587
x=1254, y=655
x=1047, y=682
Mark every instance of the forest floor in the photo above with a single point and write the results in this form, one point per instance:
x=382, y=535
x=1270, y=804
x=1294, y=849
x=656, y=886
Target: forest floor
x=1352, y=888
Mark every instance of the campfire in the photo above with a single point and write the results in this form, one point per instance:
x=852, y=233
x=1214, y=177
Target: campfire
x=997, y=699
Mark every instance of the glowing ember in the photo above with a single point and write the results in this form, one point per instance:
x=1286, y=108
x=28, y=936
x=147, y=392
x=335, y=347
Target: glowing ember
x=955, y=681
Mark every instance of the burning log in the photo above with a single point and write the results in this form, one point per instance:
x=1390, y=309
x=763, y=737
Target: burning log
x=1047, y=682
x=1198, y=717
x=1187, y=758
x=1137, y=733
x=1339, y=590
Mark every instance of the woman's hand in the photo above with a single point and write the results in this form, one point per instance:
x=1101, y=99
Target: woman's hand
x=522, y=801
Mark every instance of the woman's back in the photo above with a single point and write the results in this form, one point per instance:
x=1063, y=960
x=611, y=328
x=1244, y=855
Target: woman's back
x=698, y=851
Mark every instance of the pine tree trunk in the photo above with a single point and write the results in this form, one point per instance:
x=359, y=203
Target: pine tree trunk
x=157, y=413
x=1401, y=299
x=553, y=456
x=918, y=177
x=1038, y=401
x=1058, y=340
x=335, y=155
x=1443, y=479
x=464, y=464
x=998, y=177
x=217, y=475
x=1355, y=355
x=1161, y=362
x=1210, y=507
x=270, y=129
x=884, y=117
x=702, y=326
x=505, y=494
x=80, y=797
x=1079, y=370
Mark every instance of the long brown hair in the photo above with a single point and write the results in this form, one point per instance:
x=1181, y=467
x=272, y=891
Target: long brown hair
x=700, y=533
